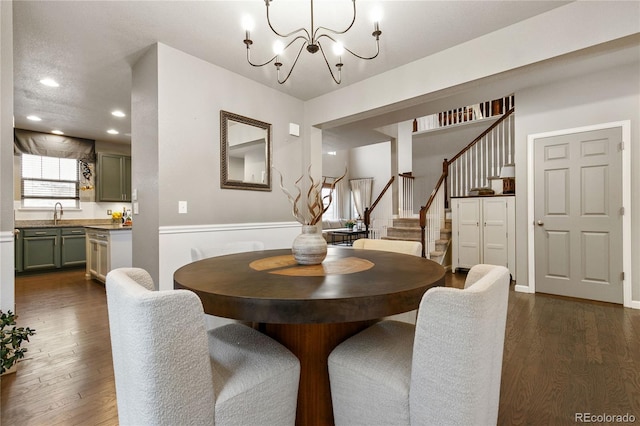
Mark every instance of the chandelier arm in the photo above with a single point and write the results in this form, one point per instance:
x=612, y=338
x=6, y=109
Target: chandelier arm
x=339, y=79
x=365, y=57
x=275, y=56
x=351, y=51
x=258, y=65
x=292, y=66
x=301, y=29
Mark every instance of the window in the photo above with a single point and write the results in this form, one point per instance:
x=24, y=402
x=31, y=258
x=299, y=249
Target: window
x=48, y=180
x=331, y=212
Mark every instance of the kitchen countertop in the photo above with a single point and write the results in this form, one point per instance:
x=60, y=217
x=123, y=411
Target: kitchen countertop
x=110, y=227
x=74, y=223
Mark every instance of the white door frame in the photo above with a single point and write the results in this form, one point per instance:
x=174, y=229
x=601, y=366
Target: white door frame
x=625, y=126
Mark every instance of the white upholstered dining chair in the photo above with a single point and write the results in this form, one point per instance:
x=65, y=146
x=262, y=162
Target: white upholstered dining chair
x=170, y=371
x=444, y=371
x=199, y=253
x=413, y=248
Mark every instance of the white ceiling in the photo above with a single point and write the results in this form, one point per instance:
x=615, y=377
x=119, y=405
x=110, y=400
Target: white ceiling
x=89, y=47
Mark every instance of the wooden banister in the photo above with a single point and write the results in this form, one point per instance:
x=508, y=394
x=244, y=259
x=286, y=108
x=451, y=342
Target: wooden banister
x=368, y=210
x=424, y=209
x=445, y=173
x=483, y=134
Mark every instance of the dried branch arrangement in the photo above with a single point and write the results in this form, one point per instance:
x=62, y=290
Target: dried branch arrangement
x=315, y=201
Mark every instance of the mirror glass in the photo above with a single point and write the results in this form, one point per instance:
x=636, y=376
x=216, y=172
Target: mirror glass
x=245, y=153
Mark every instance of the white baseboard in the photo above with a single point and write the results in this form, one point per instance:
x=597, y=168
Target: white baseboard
x=524, y=289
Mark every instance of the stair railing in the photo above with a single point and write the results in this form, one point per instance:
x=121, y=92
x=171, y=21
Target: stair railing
x=368, y=210
x=469, y=168
x=482, y=158
x=432, y=216
x=406, y=195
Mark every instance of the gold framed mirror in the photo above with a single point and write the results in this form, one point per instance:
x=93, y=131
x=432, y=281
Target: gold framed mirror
x=245, y=153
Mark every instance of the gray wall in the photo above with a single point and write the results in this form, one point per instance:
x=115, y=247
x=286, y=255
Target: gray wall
x=144, y=163
x=176, y=105
x=429, y=151
x=7, y=299
x=374, y=161
x=608, y=96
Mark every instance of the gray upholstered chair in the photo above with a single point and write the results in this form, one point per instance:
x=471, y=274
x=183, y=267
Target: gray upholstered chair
x=407, y=247
x=199, y=253
x=444, y=371
x=413, y=248
x=170, y=371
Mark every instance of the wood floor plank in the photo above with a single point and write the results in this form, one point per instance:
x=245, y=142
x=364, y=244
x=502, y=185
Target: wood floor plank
x=561, y=356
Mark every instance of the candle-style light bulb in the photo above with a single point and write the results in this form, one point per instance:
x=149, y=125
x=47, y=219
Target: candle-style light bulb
x=248, y=25
x=278, y=47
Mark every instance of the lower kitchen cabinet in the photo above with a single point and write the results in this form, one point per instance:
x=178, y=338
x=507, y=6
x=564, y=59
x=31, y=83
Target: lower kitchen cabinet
x=107, y=248
x=72, y=250
x=41, y=249
x=49, y=248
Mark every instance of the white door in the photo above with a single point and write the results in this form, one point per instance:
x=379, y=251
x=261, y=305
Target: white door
x=578, y=202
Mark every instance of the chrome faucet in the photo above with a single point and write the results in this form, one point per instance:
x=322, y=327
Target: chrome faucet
x=55, y=212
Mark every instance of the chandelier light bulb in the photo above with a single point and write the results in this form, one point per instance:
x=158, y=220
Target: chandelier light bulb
x=248, y=23
x=338, y=48
x=376, y=14
x=278, y=47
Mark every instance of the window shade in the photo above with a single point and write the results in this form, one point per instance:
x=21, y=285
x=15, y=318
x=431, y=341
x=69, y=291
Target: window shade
x=45, y=144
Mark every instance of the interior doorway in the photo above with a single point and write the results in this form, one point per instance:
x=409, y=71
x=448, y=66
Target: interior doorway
x=579, y=203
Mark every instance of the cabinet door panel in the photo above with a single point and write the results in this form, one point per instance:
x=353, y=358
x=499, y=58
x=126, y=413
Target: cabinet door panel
x=92, y=257
x=110, y=177
x=126, y=178
x=103, y=260
x=40, y=252
x=73, y=250
x=494, y=213
x=468, y=218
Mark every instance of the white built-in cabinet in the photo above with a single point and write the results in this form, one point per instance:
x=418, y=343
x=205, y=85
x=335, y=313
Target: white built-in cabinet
x=107, y=247
x=483, y=232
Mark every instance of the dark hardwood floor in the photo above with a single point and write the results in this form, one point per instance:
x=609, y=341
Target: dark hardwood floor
x=562, y=356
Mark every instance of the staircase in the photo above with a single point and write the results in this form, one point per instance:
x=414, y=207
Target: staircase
x=408, y=229
x=473, y=167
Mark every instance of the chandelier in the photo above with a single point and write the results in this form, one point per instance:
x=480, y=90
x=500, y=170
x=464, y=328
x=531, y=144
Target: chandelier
x=310, y=39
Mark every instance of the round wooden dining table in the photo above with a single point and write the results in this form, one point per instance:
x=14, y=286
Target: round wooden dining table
x=310, y=309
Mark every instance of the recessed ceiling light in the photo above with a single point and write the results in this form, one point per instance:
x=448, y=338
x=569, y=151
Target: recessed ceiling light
x=57, y=132
x=34, y=118
x=49, y=82
x=118, y=113
x=112, y=132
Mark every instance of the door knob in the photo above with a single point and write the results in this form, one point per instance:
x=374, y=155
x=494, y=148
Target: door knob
x=540, y=223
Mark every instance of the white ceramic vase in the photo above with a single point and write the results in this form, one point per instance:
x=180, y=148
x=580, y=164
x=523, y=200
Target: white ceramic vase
x=310, y=247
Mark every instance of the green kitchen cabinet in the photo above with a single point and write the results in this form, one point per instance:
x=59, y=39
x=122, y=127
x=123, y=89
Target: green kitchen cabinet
x=40, y=249
x=18, y=249
x=72, y=247
x=114, y=177
x=49, y=248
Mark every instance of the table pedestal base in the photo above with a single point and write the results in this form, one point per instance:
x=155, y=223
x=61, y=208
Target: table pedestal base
x=312, y=344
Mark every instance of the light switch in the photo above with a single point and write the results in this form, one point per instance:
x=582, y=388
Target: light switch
x=182, y=207
x=294, y=129
x=136, y=208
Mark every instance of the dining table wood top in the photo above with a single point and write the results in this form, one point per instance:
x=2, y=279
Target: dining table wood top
x=270, y=287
